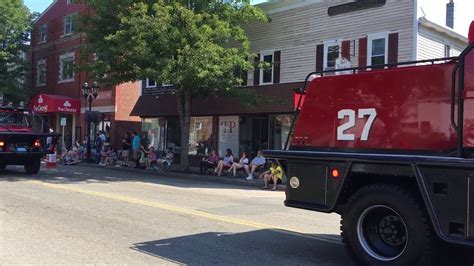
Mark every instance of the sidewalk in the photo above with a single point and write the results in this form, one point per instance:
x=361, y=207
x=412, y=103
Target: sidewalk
x=193, y=174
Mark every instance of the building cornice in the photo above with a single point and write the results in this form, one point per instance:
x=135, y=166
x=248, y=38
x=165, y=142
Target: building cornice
x=442, y=30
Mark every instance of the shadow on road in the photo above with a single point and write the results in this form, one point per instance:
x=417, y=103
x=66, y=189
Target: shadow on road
x=261, y=247
x=81, y=174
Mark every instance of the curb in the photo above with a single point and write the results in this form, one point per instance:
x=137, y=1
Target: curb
x=197, y=177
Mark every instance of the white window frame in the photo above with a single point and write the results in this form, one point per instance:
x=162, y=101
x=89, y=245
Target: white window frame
x=372, y=37
x=41, y=62
x=63, y=58
x=72, y=31
x=448, y=45
x=43, y=38
x=326, y=44
x=147, y=84
x=262, y=55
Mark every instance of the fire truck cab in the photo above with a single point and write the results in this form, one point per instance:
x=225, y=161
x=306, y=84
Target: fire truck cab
x=391, y=149
x=19, y=143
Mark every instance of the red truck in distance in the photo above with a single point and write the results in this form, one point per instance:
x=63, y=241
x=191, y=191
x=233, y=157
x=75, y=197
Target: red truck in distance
x=19, y=143
x=391, y=149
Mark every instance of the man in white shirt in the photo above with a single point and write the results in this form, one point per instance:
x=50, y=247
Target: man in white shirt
x=258, y=161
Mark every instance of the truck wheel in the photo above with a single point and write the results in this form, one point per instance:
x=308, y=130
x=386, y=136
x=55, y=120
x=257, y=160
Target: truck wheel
x=386, y=225
x=33, y=167
x=2, y=166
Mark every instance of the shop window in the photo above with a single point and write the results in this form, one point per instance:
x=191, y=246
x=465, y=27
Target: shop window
x=254, y=133
x=154, y=131
x=200, y=136
x=377, y=49
x=280, y=128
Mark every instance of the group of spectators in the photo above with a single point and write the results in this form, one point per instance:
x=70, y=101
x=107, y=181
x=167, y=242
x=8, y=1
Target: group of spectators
x=257, y=164
x=137, y=155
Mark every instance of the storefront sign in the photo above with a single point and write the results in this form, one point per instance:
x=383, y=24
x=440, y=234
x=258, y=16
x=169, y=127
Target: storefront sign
x=228, y=134
x=355, y=6
x=45, y=103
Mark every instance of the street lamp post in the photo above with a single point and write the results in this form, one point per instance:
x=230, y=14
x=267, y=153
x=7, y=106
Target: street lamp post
x=89, y=93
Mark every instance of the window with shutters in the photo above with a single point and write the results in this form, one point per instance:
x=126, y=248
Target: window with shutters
x=266, y=73
x=377, y=49
x=332, y=49
x=41, y=73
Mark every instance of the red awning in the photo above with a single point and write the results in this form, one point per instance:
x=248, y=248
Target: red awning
x=48, y=103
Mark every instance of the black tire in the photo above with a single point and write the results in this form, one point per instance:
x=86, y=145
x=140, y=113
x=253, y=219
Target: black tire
x=2, y=166
x=387, y=225
x=33, y=167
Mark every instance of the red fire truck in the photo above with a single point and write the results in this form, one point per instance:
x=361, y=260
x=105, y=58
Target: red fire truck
x=19, y=144
x=391, y=149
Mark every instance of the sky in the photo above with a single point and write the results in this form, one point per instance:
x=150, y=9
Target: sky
x=434, y=10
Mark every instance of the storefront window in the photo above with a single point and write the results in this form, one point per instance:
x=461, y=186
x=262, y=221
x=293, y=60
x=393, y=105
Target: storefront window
x=281, y=128
x=253, y=133
x=200, y=135
x=153, y=133
x=228, y=134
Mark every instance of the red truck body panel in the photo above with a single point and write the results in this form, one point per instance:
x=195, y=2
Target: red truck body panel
x=412, y=105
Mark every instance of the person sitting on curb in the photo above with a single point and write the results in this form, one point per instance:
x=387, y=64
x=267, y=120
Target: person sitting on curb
x=112, y=158
x=168, y=160
x=241, y=164
x=151, y=158
x=210, y=162
x=225, y=163
x=275, y=173
x=258, y=161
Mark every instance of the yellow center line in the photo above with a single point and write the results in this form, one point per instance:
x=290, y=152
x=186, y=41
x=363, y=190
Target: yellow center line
x=190, y=212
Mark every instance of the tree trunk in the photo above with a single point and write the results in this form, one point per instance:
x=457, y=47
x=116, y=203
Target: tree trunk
x=184, y=111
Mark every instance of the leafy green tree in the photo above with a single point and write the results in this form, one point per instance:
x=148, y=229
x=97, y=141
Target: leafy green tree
x=15, y=26
x=196, y=45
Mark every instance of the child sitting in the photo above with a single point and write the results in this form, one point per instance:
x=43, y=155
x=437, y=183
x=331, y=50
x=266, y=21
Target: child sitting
x=151, y=158
x=275, y=173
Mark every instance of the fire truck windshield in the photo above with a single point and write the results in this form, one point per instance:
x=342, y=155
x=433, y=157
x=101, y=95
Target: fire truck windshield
x=13, y=118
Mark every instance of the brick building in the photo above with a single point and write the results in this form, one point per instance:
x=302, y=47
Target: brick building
x=56, y=49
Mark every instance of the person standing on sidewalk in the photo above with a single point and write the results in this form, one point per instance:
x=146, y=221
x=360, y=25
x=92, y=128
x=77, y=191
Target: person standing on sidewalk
x=126, y=146
x=136, y=145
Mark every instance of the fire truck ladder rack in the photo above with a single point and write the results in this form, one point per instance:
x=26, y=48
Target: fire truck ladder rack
x=354, y=70
x=459, y=127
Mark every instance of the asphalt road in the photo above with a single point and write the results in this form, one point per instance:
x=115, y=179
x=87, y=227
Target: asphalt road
x=82, y=215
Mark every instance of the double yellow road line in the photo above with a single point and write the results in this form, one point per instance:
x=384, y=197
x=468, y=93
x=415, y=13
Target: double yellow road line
x=189, y=212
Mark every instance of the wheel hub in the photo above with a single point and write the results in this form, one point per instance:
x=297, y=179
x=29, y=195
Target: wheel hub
x=391, y=231
x=382, y=233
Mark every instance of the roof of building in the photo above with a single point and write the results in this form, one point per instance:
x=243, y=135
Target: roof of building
x=45, y=11
x=441, y=29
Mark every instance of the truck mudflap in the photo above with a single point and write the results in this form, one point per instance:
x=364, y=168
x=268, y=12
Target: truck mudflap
x=471, y=207
x=317, y=181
